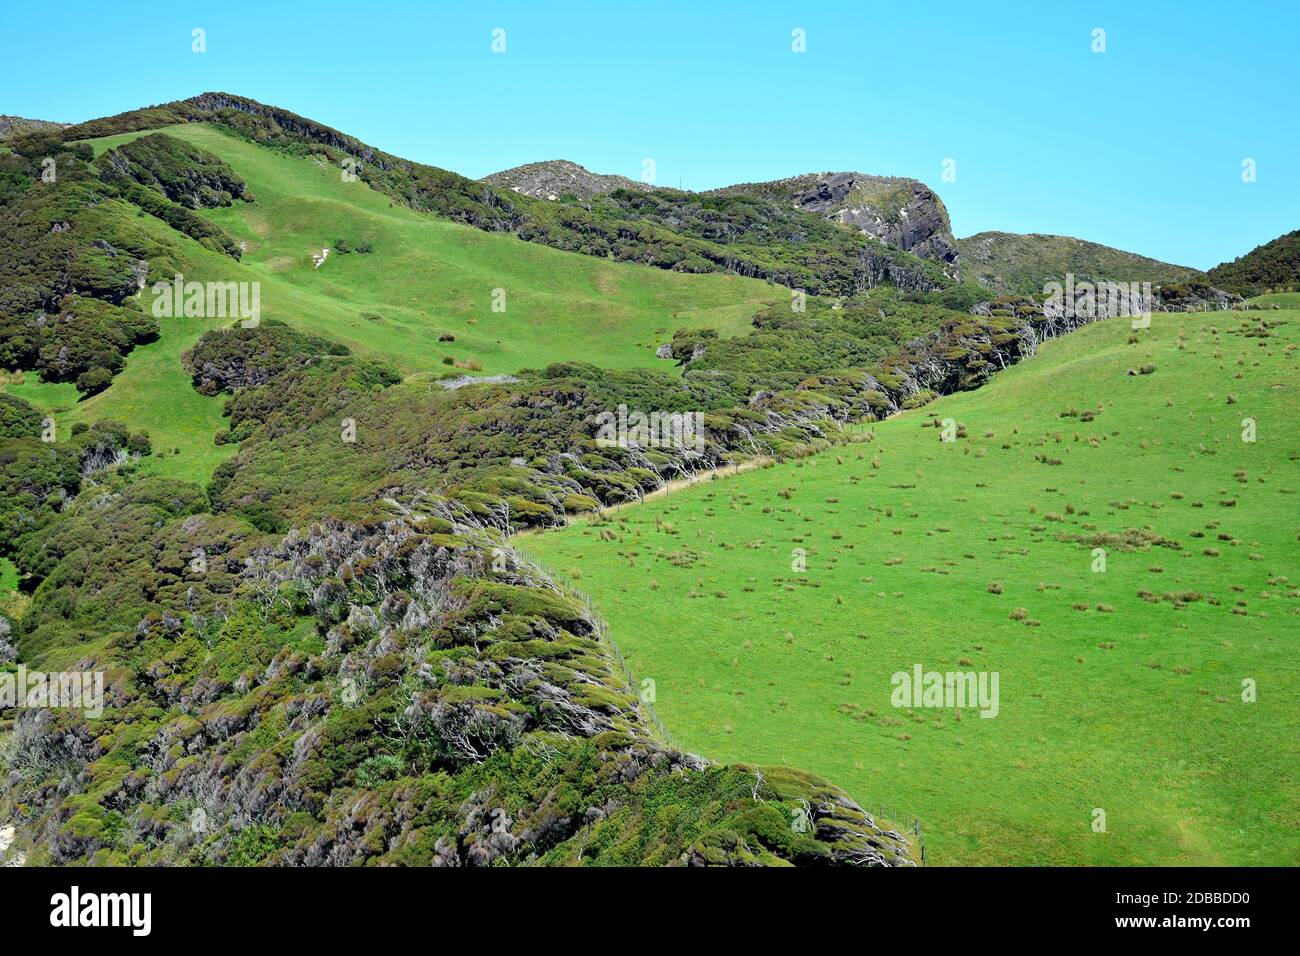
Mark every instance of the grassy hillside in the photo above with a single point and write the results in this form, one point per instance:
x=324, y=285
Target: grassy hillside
x=1283, y=300
x=426, y=278
x=153, y=393
x=1010, y=262
x=1119, y=690
x=668, y=229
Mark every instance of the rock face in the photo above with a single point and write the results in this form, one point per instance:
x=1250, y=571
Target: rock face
x=6, y=841
x=901, y=212
x=559, y=177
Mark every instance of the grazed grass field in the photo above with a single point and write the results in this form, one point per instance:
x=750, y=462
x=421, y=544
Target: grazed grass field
x=1120, y=690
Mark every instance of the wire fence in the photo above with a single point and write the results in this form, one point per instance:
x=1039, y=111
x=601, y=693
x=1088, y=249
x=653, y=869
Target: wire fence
x=883, y=814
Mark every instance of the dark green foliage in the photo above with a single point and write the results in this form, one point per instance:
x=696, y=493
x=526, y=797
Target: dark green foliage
x=94, y=380
x=88, y=340
x=1011, y=262
x=18, y=419
x=72, y=250
x=228, y=359
x=88, y=333
x=183, y=173
x=38, y=478
x=1272, y=267
x=788, y=346
x=113, y=565
x=49, y=241
x=35, y=477
x=71, y=253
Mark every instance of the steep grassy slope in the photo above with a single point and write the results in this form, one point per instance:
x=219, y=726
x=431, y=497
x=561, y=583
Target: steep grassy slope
x=1010, y=262
x=680, y=232
x=426, y=278
x=1119, y=690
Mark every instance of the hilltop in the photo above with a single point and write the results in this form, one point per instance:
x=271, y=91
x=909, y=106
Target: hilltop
x=11, y=126
x=1271, y=267
x=1011, y=262
x=682, y=232
x=559, y=177
x=900, y=212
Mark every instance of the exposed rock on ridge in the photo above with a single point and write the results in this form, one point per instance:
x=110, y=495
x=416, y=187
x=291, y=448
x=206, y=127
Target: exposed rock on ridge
x=558, y=177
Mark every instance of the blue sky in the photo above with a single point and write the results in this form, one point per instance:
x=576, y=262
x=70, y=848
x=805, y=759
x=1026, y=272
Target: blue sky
x=1139, y=147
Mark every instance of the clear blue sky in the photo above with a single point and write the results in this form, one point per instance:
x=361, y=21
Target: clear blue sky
x=1139, y=147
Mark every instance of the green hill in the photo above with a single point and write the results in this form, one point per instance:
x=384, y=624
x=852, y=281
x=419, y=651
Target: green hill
x=260, y=692
x=1120, y=690
x=1008, y=262
x=1273, y=267
x=286, y=544
x=683, y=232
x=424, y=296
x=11, y=126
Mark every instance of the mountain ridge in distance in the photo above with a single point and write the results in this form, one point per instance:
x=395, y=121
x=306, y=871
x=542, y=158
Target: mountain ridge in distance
x=900, y=212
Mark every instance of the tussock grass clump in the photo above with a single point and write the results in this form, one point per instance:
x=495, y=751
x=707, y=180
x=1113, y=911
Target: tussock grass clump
x=1130, y=539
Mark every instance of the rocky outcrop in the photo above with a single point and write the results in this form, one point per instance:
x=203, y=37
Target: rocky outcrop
x=901, y=212
x=8, y=858
x=11, y=126
x=559, y=177
x=1075, y=304
x=1195, y=296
